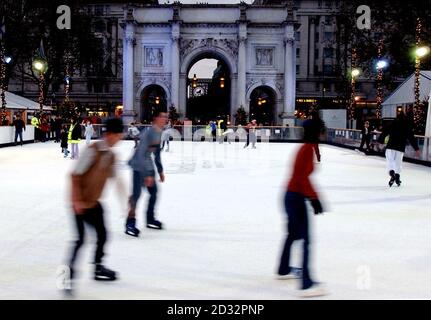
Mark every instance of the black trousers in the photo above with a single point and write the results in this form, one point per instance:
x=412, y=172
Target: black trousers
x=365, y=140
x=94, y=218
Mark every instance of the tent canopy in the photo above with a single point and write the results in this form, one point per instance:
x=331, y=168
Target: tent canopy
x=14, y=101
x=405, y=94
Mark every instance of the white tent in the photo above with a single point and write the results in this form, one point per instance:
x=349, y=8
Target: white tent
x=405, y=94
x=428, y=123
x=14, y=101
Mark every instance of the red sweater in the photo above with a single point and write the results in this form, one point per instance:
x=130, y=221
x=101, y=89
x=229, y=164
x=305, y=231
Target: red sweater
x=303, y=167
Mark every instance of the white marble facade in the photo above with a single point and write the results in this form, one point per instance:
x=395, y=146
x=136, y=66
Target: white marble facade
x=162, y=42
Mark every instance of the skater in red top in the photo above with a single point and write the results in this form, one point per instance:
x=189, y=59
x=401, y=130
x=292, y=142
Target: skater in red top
x=300, y=189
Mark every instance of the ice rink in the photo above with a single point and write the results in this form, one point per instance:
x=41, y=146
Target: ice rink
x=225, y=225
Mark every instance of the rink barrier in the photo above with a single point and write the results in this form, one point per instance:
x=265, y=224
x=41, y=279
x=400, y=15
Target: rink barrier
x=345, y=138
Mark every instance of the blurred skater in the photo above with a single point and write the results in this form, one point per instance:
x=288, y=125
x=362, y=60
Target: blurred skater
x=144, y=174
x=299, y=190
x=89, y=177
x=165, y=136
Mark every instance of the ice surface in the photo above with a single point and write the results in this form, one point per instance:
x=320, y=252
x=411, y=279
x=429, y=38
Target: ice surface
x=225, y=225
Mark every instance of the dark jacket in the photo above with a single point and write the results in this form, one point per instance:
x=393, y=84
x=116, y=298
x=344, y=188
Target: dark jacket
x=77, y=132
x=19, y=125
x=63, y=138
x=399, y=132
x=366, y=133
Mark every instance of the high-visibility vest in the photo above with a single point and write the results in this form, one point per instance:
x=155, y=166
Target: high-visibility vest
x=35, y=122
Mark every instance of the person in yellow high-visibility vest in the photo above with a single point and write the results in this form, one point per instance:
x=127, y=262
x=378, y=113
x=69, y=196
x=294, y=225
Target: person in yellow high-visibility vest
x=35, y=122
x=74, y=137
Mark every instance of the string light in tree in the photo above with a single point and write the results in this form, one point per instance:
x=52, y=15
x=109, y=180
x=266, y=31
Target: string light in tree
x=420, y=52
x=3, y=77
x=381, y=64
x=355, y=72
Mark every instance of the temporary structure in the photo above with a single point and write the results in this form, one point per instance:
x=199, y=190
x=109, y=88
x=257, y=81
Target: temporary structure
x=14, y=101
x=405, y=95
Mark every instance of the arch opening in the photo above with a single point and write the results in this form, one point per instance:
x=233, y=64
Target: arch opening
x=153, y=97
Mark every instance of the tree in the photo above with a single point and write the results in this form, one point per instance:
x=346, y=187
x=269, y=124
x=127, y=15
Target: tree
x=241, y=116
x=29, y=22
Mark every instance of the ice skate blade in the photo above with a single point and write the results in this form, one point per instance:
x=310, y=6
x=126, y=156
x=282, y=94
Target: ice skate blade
x=312, y=292
x=155, y=227
x=132, y=234
x=287, y=277
x=104, y=278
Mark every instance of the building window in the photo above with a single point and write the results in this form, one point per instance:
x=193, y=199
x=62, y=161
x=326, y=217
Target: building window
x=298, y=51
x=328, y=69
x=316, y=37
x=328, y=36
x=298, y=36
x=316, y=70
x=317, y=86
x=328, y=52
x=297, y=69
x=100, y=26
x=316, y=53
x=328, y=20
x=98, y=10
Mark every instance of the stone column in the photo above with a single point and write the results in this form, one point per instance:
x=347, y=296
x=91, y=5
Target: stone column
x=241, y=73
x=128, y=66
x=289, y=78
x=175, y=66
x=312, y=30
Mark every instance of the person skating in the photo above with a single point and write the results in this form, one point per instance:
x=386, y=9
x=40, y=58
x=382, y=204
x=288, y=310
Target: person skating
x=89, y=131
x=142, y=165
x=299, y=189
x=88, y=178
x=165, y=136
x=399, y=133
x=64, y=138
x=366, y=137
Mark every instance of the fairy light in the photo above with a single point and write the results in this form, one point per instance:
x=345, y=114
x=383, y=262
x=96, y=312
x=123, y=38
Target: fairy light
x=354, y=73
x=3, y=77
x=380, y=66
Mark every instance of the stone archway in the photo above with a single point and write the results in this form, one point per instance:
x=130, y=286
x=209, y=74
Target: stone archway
x=153, y=97
x=263, y=106
x=191, y=55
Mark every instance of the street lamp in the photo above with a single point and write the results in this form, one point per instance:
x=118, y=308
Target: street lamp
x=40, y=66
x=422, y=52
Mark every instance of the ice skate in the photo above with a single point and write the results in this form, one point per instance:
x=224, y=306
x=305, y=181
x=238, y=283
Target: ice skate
x=397, y=179
x=131, y=229
x=392, y=180
x=104, y=274
x=155, y=224
x=295, y=273
x=316, y=290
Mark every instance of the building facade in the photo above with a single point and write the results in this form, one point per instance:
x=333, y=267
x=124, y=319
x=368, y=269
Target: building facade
x=254, y=41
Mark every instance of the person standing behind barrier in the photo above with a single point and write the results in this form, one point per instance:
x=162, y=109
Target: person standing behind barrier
x=35, y=122
x=142, y=164
x=221, y=129
x=299, y=189
x=134, y=133
x=319, y=128
x=213, y=130
x=89, y=131
x=399, y=132
x=74, y=137
x=19, y=127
